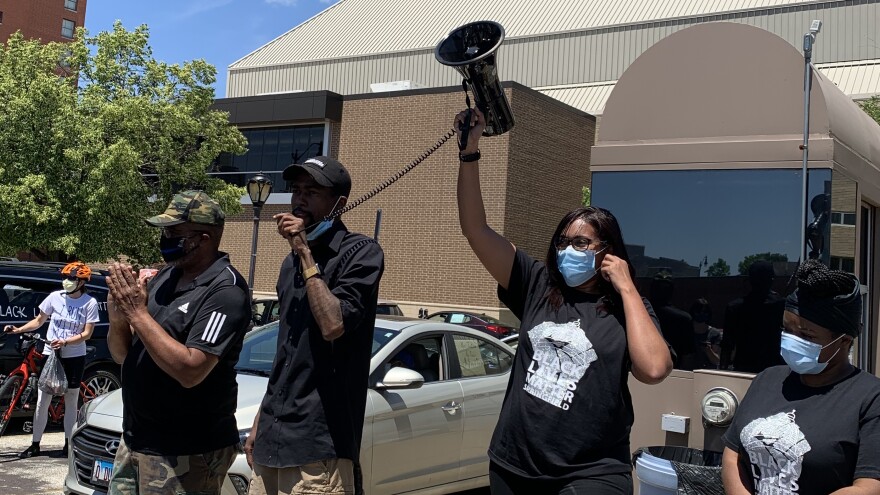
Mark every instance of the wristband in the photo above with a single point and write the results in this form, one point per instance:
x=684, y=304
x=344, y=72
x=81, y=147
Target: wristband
x=472, y=157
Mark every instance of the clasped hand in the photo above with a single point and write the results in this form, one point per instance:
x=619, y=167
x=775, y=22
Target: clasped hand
x=127, y=294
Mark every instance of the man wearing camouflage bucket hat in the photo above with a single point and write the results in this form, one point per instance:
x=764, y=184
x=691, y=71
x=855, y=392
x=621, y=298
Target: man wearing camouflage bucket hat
x=178, y=337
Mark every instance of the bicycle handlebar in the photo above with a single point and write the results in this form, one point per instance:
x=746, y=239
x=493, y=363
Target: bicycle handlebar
x=33, y=336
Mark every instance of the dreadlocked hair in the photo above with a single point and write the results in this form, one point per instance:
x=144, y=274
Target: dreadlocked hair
x=820, y=281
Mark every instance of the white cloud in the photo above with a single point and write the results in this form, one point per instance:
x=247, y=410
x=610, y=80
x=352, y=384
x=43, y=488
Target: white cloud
x=284, y=3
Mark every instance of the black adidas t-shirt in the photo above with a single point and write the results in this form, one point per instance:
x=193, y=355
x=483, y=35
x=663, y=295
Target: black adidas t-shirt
x=804, y=440
x=211, y=314
x=567, y=413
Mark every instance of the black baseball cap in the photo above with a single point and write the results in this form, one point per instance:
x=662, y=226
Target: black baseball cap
x=325, y=170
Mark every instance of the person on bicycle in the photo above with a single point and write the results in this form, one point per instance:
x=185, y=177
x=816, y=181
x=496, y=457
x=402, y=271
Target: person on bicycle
x=72, y=315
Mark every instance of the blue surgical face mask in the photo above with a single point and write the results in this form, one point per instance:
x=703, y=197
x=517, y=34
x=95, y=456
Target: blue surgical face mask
x=802, y=356
x=319, y=229
x=576, y=267
x=323, y=226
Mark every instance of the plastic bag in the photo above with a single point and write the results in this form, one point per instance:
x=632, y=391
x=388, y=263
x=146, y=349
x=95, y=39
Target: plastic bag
x=698, y=471
x=52, y=379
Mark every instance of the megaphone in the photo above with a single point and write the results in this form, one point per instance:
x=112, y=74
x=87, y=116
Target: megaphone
x=470, y=49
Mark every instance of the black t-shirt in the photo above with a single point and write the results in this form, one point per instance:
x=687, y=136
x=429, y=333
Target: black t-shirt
x=567, y=413
x=317, y=393
x=804, y=440
x=162, y=417
x=753, y=329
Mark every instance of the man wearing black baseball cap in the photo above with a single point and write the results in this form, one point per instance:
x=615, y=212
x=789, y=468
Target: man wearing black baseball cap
x=308, y=430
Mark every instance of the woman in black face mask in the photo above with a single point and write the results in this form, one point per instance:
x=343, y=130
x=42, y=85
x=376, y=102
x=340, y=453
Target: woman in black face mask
x=812, y=426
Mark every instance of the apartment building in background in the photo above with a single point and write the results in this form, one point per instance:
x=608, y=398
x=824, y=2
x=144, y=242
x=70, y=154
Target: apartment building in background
x=47, y=20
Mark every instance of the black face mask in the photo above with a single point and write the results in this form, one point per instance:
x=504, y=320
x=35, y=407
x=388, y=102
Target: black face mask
x=172, y=248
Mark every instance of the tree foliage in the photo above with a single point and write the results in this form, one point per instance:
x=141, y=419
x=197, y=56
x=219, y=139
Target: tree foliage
x=871, y=106
x=748, y=260
x=97, y=135
x=586, y=195
x=718, y=269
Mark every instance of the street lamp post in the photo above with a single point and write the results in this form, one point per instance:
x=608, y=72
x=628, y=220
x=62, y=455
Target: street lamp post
x=809, y=40
x=258, y=187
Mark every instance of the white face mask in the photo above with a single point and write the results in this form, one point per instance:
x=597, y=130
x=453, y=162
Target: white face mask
x=70, y=286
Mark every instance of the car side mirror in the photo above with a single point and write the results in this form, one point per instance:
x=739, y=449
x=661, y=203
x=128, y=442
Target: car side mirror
x=405, y=378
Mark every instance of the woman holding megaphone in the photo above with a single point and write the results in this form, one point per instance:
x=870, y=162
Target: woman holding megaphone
x=565, y=423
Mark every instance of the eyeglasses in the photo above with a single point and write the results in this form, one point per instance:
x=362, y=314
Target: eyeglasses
x=579, y=243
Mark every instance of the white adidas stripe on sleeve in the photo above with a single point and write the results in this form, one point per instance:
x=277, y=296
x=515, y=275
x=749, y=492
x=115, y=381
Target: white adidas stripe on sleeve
x=212, y=329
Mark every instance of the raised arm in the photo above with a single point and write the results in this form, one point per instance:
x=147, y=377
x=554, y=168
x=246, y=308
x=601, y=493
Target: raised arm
x=494, y=251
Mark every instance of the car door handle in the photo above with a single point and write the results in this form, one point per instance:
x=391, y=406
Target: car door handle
x=451, y=407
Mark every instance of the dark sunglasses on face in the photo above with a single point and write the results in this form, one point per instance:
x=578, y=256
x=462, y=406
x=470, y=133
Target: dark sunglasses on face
x=69, y=277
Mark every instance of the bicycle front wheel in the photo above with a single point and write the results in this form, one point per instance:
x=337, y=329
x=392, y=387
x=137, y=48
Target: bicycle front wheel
x=9, y=392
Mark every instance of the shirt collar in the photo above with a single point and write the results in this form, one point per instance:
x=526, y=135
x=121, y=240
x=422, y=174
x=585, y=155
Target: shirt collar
x=207, y=276
x=333, y=238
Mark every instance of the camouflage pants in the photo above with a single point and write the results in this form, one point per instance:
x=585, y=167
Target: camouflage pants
x=143, y=474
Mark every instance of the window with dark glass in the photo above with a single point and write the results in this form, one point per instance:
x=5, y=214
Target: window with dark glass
x=270, y=150
x=70, y=5
x=67, y=27
x=1, y=17
x=842, y=218
x=714, y=251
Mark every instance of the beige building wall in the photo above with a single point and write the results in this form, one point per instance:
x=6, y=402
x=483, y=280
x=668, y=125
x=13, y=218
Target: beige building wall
x=530, y=176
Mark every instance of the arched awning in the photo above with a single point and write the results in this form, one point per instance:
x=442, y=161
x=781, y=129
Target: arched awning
x=725, y=95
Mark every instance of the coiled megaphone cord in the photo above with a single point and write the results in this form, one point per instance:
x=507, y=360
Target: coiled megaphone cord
x=394, y=178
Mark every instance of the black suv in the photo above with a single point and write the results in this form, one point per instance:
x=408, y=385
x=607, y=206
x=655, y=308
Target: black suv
x=23, y=286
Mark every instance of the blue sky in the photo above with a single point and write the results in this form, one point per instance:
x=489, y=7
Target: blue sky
x=218, y=31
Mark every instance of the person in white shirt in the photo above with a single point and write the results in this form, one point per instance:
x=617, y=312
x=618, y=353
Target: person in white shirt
x=72, y=315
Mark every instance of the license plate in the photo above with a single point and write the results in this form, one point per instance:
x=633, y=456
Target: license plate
x=101, y=471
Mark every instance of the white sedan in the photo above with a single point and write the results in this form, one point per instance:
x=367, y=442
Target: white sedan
x=435, y=393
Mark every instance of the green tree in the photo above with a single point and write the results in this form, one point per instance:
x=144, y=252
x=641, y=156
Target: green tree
x=871, y=106
x=718, y=269
x=585, y=196
x=97, y=135
x=748, y=260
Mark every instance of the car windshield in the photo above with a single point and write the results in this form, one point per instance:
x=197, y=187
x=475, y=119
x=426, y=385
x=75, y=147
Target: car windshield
x=258, y=350
x=381, y=336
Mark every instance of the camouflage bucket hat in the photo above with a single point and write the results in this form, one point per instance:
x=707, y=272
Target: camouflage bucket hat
x=190, y=206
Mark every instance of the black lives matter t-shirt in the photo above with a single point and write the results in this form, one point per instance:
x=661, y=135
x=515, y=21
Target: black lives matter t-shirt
x=804, y=440
x=567, y=412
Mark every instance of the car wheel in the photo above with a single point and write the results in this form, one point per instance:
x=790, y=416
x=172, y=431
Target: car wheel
x=99, y=382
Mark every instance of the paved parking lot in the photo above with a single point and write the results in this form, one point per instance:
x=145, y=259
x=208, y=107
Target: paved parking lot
x=35, y=476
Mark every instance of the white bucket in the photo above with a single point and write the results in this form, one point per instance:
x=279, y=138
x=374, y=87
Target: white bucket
x=656, y=476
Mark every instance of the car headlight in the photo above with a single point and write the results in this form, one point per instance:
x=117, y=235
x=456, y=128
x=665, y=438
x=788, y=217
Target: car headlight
x=81, y=414
x=240, y=484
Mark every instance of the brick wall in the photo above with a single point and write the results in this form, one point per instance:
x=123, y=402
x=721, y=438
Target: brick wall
x=38, y=18
x=549, y=165
x=530, y=177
